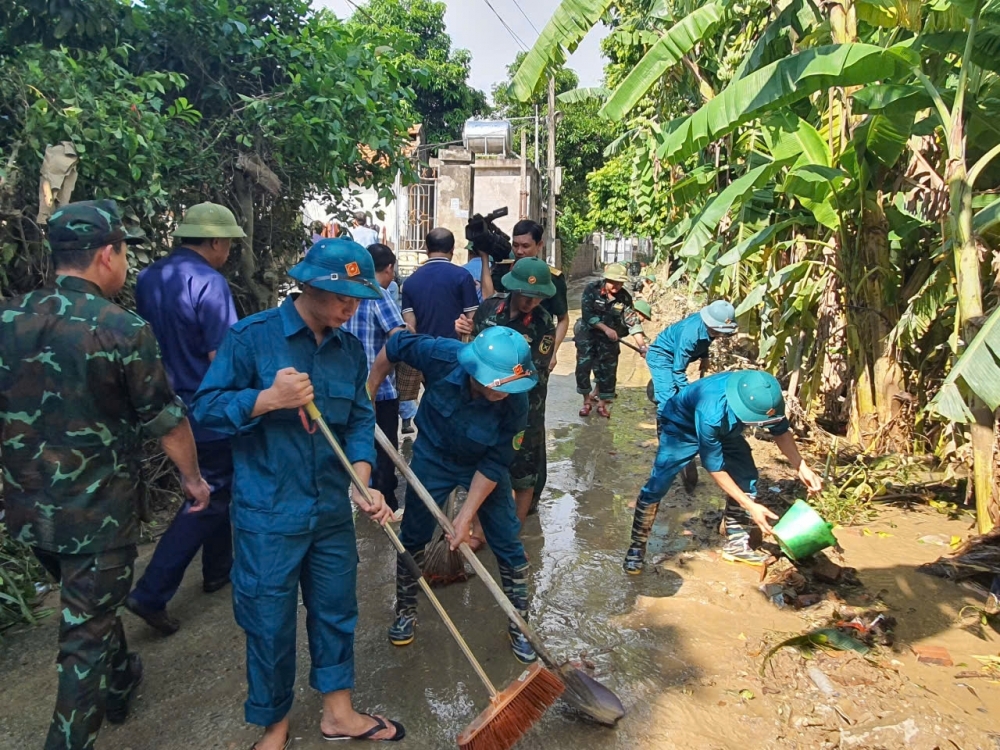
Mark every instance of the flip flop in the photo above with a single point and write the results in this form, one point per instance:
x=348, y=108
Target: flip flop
x=379, y=726
x=288, y=742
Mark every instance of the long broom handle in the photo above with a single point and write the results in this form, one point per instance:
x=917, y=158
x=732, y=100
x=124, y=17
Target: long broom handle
x=415, y=571
x=480, y=569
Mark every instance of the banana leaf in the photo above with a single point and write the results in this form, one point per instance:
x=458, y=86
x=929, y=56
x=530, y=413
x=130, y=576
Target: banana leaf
x=985, y=47
x=789, y=138
x=799, y=16
x=575, y=96
x=567, y=27
x=827, y=639
x=779, y=85
x=816, y=188
x=978, y=369
x=749, y=245
x=986, y=218
x=890, y=14
x=668, y=50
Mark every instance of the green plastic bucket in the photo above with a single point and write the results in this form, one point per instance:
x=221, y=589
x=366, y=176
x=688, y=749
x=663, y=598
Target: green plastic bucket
x=802, y=532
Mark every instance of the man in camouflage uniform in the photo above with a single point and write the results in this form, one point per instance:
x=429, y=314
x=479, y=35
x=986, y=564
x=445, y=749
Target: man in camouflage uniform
x=81, y=384
x=527, y=242
x=530, y=283
x=606, y=314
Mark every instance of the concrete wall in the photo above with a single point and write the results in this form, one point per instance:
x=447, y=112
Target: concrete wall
x=455, y=194
x=585, y=262
x=498, y=183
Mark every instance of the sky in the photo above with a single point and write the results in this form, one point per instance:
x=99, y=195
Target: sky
x=473, y=26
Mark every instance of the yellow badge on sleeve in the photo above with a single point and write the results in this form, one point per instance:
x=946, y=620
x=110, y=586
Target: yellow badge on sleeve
x=518, y=439
x=545, y=345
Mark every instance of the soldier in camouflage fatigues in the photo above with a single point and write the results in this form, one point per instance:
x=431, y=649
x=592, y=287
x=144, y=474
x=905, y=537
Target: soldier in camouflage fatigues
x=80, y=383
x=606, y=314
x=529, y=282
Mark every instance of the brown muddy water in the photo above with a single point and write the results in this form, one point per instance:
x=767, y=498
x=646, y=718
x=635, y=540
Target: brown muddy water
x=682, y=645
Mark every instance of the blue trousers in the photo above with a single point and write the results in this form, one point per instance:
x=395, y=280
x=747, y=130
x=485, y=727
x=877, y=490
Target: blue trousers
x=497, y=514
x=208, y=530
x=677, y=446
x=268, y=570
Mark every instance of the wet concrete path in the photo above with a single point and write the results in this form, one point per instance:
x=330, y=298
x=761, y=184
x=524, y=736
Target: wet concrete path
x=678, y=644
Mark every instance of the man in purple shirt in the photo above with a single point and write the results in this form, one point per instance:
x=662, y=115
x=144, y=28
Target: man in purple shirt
x=439, y=292
x=190, y=308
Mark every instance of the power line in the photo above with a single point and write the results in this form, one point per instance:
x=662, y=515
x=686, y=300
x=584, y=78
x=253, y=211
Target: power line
x=504, y=24
x=530, y=22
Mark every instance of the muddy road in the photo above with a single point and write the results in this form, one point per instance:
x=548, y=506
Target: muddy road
x=682, y=644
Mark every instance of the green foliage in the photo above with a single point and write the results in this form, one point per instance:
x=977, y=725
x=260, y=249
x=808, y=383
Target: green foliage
x=19, y=571
x=978, y=370
x=437, y=73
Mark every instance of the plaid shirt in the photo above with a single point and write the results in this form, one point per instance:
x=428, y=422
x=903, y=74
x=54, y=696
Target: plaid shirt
x=371, y=325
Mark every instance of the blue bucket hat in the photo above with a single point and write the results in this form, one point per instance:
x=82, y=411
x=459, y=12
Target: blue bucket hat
x=340, y=266
x=755, y=397
x=720, y=316
x=499, y=358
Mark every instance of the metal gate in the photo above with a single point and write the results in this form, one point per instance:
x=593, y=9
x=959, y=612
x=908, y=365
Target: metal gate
x=416, y=216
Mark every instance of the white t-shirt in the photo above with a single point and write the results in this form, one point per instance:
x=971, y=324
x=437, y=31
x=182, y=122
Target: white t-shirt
x=364, y=236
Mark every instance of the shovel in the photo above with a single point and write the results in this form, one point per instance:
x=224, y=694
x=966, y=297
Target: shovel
x=583, y=692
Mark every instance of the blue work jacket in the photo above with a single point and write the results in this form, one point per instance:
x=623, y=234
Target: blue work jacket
x=286, y=479
x=672, y=351
x=701, y=414
x=455, y=426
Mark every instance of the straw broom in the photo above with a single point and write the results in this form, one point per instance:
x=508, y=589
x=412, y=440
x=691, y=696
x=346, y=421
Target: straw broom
x=442, y=564
x=511, y=712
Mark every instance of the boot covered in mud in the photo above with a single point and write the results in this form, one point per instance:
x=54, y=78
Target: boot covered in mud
x=515, y=585
x=739, y=532
x=642, y=525
x=402, y=630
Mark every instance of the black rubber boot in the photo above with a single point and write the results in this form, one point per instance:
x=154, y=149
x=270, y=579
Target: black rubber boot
x=642, y=524
x=515, y=585
x=402, y=630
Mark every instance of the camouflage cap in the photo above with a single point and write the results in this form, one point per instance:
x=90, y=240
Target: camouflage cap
x=88, y=225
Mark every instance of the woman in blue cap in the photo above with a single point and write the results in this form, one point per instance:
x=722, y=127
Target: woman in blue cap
x=291, y=510
x=471, y=422
x=707, y=419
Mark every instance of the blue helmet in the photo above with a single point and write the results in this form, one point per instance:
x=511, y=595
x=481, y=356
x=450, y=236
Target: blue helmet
x=340, y=266
x=499, y=358
x=720, y=316
x=755, y=397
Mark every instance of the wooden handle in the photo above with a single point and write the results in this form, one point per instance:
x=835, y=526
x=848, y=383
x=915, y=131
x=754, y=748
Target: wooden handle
x=480, y=569
x=408, y=558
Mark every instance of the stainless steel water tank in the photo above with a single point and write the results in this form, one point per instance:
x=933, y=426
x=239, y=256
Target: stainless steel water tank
x=494, y=137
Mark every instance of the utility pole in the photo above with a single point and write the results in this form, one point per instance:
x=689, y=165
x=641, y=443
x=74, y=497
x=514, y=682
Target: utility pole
x=555, y=257
x=523, y=208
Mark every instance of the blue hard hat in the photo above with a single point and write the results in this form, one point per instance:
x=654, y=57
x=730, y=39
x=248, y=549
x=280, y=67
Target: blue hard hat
x=755, y=397
x=499, y=358
x=340, y=266
x=720, y=316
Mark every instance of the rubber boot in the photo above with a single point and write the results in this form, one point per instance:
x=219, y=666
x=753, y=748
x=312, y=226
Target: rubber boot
x=741, y=535
x=401, y=632
x=515, y=585
x=642, y=524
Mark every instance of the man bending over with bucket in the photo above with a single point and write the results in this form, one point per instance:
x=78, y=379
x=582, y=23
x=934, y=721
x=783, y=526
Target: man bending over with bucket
x=707, y=419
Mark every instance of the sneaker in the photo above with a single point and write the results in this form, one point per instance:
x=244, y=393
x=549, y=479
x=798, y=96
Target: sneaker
x=159, y=620
x=519, y=645
x=738, y=550
x=210, y=587
x=408, y=426
x=118, y=705
x=634, y=560
x=401, y=632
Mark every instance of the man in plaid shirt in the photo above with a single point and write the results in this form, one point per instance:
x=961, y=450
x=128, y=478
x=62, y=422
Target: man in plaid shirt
x=372, y=324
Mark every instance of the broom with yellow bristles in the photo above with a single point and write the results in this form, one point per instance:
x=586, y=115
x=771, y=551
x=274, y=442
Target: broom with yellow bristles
x=511, y=712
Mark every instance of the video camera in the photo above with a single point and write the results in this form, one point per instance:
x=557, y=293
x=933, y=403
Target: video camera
x=487, y=237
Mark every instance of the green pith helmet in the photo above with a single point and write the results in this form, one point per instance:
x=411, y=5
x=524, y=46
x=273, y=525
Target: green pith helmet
x=720, y=316
x=340, y=266
x=88, y=225
x=755, y=397
x=499, y=358
x=649, y=276
x=209, y=221
x=615, y=272
x=530, y=277
x=643, y=308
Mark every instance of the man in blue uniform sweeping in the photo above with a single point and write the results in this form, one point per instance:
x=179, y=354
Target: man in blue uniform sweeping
x=471, y=423
x=291, y=511
x=707, y=419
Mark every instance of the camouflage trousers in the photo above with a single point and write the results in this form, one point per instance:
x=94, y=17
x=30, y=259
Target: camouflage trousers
x=529, y=461
x=597, y=354
x=93, y=661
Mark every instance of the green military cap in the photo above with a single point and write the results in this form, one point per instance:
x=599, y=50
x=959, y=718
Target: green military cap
x=643, y=308
x=209, y=221
x=88, y=225
x=530, y=277
x=649, y=276
x=615, y=272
